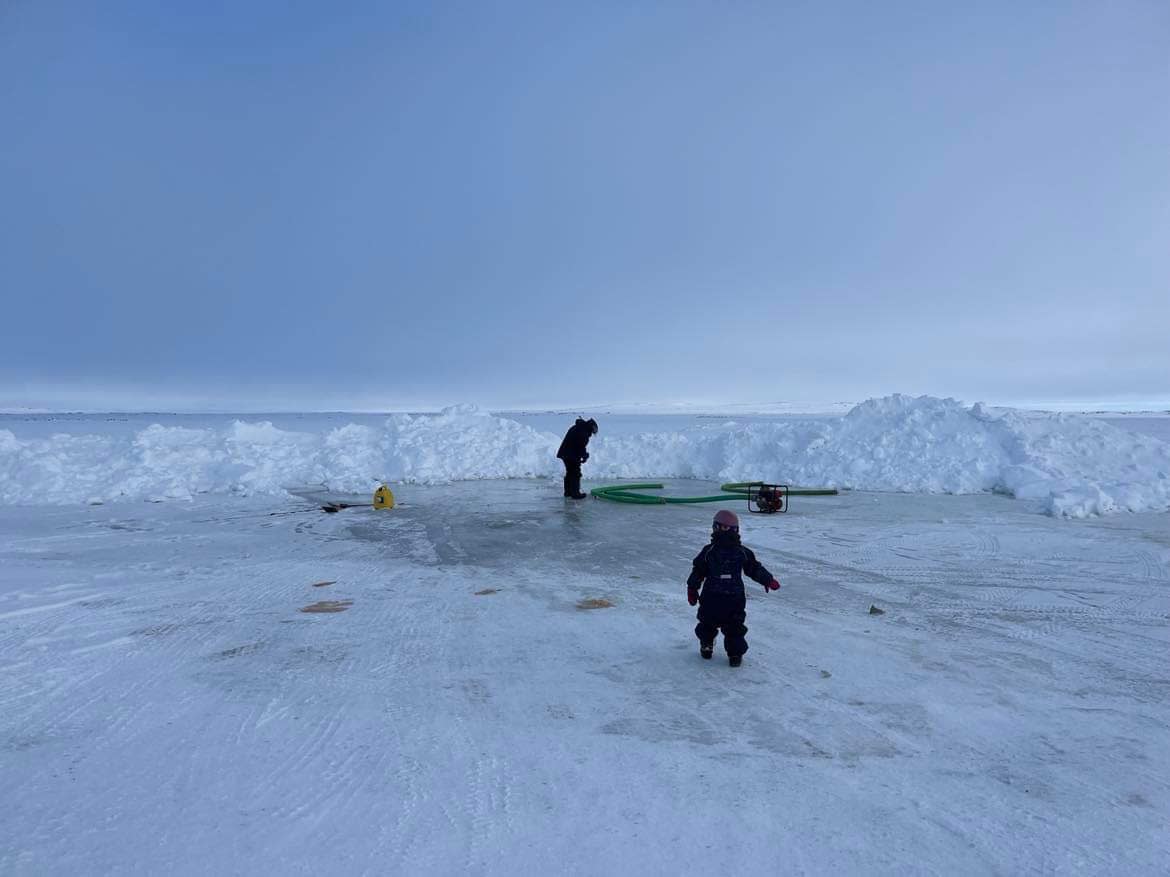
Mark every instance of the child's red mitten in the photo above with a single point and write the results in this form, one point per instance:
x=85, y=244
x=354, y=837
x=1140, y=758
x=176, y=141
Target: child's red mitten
x=772, y=586
x=692, y=596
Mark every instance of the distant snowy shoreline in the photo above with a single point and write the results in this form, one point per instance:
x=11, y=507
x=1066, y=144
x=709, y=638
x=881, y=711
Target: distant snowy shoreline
x=655, y=409
x=755, y=411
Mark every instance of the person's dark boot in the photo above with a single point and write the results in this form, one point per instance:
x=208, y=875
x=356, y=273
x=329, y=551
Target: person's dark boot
x=580, y=495
x=735, y=660
x=705, y=649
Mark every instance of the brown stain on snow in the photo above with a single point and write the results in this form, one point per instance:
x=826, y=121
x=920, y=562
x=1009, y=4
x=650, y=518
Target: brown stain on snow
x=594, y=603
x=328, y=606
x=323, y=584
x=486, y=591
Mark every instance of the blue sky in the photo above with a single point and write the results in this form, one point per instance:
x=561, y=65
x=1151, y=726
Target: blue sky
x=360, y=205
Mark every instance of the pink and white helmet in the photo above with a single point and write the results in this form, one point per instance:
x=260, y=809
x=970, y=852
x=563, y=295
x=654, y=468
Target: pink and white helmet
x=725, y=518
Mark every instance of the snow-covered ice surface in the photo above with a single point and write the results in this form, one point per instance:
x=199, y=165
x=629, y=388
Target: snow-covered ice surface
x=1075, y=466
x=167, y=707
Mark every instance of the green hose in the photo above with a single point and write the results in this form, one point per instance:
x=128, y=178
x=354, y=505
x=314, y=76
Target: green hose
x=736, y=490
x=622, y=493
x=615, y=493
x=741, y=487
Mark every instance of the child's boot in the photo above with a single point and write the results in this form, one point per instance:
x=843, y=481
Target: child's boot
x=705, y=649
x=735, y=660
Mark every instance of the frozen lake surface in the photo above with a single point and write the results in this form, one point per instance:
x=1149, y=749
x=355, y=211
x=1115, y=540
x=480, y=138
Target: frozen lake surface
x=168, y=705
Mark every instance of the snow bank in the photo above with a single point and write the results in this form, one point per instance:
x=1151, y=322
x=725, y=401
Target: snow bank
x=1074, y=466
x=160, y=463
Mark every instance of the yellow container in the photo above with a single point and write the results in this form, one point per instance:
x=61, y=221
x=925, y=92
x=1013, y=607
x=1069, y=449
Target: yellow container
x=383, y=498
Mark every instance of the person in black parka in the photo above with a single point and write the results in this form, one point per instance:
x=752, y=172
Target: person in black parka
x=572, y=453
x=716, y=585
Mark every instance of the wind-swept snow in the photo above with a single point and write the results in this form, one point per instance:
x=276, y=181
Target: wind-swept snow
x=1073, y=466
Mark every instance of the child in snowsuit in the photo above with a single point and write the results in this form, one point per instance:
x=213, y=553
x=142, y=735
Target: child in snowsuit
x=716, y=585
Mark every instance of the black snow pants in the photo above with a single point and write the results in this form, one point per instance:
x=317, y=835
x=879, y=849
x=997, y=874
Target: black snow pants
x=572, y=477
x=726, y=612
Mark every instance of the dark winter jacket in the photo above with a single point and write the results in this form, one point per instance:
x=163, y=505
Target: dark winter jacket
x=572, y=448
x=720, y=566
